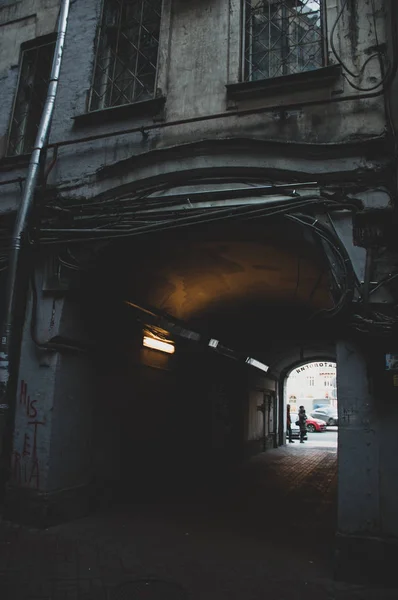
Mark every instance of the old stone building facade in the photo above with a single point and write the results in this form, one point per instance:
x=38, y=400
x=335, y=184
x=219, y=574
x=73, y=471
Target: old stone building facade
x=229, y=168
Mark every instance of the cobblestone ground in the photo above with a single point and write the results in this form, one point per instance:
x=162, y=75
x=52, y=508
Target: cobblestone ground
x=263, y=531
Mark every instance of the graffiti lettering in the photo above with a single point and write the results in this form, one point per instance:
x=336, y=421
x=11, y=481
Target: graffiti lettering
x=24, y=399
x=25, y=473
x=26, y=446
x=35, y=425
x=35, y=474
x=26, y=466
x=32, y=410
x=23, y=393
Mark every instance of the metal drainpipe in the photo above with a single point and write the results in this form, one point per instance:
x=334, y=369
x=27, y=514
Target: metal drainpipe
x=7, y=404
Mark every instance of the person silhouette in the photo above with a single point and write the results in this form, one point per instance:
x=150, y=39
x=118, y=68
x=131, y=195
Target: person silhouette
x=289, y=424
x=302, y=418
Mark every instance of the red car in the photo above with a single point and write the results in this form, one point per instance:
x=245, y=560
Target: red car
x=312, y=425
x=315, y=425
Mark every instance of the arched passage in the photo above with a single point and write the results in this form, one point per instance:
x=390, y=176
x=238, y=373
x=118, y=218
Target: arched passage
x=249, y=287
x=142, y=423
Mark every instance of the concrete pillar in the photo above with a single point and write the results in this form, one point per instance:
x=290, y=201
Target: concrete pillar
x=51, y=460
x=367, y=532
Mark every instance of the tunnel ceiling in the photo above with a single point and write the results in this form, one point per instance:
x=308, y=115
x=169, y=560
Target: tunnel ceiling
x=218, y=276
x=222, y=273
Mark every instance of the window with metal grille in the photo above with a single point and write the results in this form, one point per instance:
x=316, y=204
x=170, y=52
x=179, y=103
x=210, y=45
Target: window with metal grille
x=127, y=53
x=34, y=76
x=283, y=37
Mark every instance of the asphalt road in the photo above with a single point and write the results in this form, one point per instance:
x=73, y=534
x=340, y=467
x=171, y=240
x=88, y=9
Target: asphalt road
x=325, y=439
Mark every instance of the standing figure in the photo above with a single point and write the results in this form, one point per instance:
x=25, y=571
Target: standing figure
x=289, y=424
x=302, y=417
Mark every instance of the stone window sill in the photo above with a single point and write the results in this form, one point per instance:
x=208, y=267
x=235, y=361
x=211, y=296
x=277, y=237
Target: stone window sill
x=153, y=108
x=318, y=78
x=7, y=163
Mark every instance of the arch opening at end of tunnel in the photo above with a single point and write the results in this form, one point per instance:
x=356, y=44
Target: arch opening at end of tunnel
x=310, y=403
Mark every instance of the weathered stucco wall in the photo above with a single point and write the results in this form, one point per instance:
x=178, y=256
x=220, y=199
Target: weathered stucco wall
x=19, y=22
x=367, y=486
x=285, y=134
x=200, y=52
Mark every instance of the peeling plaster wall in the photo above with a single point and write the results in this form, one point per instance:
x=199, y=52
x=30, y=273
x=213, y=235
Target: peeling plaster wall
x=367, y=446
x=19, y=22
x=202, y=58
x=367, y=409
x=35, y=398
x=199, y=54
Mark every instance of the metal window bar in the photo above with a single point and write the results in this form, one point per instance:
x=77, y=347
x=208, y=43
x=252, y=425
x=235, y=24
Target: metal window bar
x=30, y=97
x=283, y=37
x=126, y=59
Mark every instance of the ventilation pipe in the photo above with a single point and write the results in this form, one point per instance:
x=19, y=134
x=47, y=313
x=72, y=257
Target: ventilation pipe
x=7, y=402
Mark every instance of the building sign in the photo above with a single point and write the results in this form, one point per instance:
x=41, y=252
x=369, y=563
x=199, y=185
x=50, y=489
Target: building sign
x=322, y=365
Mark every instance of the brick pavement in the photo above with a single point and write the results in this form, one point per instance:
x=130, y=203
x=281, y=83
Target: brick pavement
x=266, y=530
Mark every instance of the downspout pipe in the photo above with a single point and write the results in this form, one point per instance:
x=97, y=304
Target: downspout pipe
x=7, y=403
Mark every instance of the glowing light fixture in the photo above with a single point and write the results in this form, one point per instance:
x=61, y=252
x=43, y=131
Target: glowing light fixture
x=155, y=344
x=213, y=343
x=255, y=363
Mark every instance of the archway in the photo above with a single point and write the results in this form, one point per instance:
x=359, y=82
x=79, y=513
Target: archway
x=248, y=287
x=312, y=386
x=165, y=427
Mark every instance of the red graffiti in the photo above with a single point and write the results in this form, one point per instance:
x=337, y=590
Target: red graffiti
x=35, y=424
x=26, y=446
x=26, y=472
x=26, y=467
x=24, y=392
x=34, y=478
x=24, y=399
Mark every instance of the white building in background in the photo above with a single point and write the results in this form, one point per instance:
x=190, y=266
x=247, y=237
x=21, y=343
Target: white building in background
x=311, y=385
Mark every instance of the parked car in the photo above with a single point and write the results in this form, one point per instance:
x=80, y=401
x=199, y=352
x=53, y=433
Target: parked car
x=327, y=414
x=315, y=425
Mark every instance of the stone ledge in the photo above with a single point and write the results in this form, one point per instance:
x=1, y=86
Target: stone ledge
x=151, y=108
x=8, y=163
x=369, y=560
x=319, y=78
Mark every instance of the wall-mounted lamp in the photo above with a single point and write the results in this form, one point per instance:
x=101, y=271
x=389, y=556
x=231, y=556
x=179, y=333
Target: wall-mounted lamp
x=155, y=344
x=213, y=343
x=255, y=363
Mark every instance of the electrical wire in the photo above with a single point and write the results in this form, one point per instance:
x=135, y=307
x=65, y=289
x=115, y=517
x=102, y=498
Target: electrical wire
x=145, y=193
x=387, y=98
x=383, y=282
x=391, y=68
x=339, y=251
x=124, y=224
x=246, y=211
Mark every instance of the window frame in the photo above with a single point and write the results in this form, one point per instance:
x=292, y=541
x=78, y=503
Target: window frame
x=243, y=61
x=45, y=40
x=155, y=94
